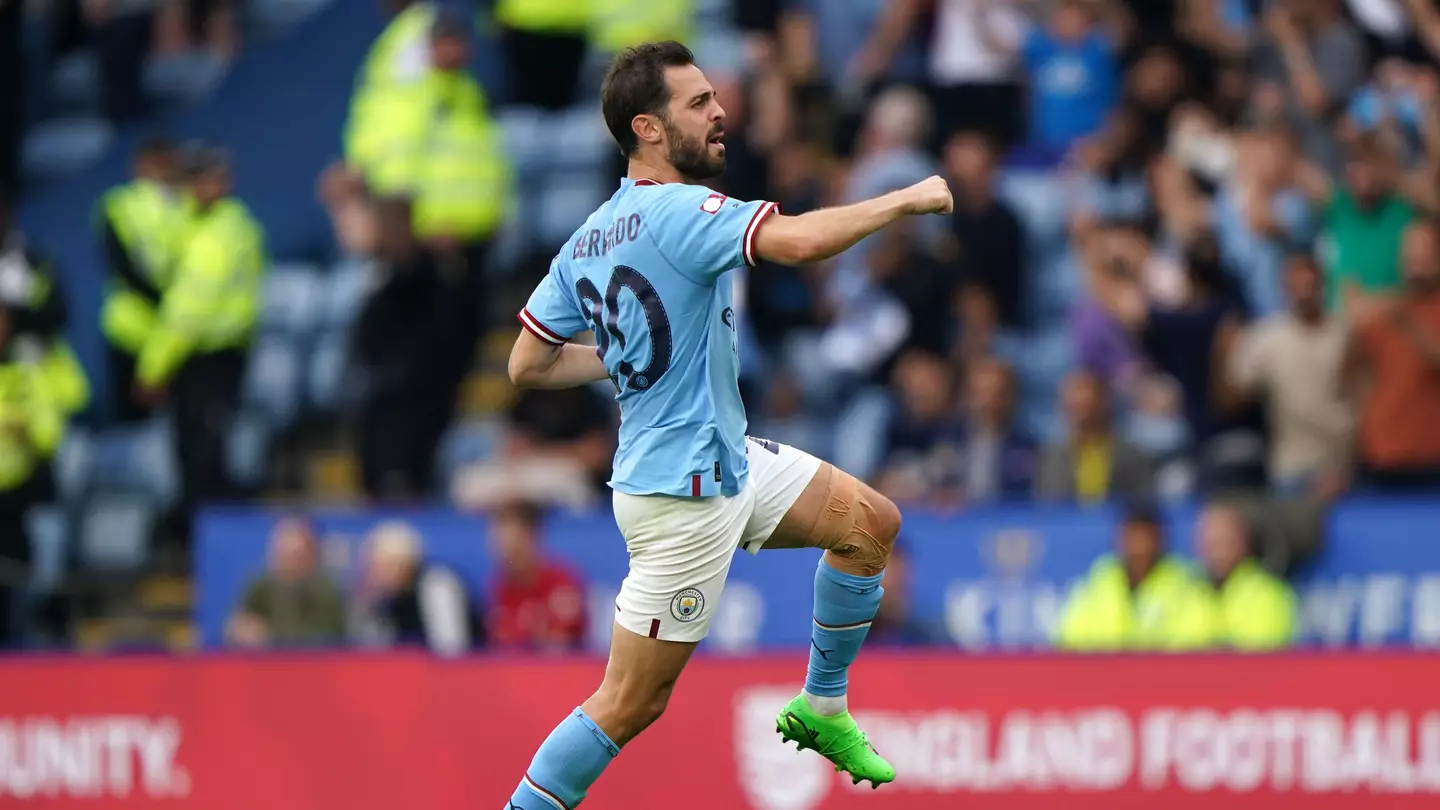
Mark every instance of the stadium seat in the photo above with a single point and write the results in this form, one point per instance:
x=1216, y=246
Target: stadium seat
x=524, y=140
x=49, y=528
x=564, y=204
x=182, y=77
x=271, y=16
x=115, y=531
x=467, y=442
x=272, y=379
x=64, y=145
x=582, y=141
x=327, y=372
x=137, y=459
x=1041, y=202
x=345, y=288
x=72, y=464
x=248, y=450
x=293, y=300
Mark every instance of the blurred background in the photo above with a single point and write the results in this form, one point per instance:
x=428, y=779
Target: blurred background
x=1168, y=379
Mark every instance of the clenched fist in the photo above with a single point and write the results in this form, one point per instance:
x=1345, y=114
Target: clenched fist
x=929, y=196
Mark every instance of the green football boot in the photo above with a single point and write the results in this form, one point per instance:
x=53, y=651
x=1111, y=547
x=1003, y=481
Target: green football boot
x=835, y=738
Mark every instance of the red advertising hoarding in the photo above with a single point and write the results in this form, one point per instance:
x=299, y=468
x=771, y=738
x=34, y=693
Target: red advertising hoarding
x=391, y=732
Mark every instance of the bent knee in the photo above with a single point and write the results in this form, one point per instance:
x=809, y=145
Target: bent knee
x=884, y=517
x=629, y=710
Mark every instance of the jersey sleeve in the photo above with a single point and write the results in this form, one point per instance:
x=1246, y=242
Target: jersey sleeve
x=552, y=314
x=704, y=233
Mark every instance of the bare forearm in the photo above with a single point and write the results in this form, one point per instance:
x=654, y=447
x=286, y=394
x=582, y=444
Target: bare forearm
x=819, y=235
x=537, y=365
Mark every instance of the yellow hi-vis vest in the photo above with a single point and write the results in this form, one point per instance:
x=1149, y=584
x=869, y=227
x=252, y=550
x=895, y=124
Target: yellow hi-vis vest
x=214, y=299
x=399, y=57
x=58, y=371
x=149, y=222
x=544, y=16
x=1168, y=611
x=620, y=24
x=444, y=152
x=1253, y=610
x=31, y=426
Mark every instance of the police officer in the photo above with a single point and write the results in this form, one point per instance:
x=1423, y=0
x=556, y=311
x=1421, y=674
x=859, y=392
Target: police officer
x=1139, y=598
x=196, y=353
x=32, y=293
x=140, y=225
x=1250, y=608
x=31, y=426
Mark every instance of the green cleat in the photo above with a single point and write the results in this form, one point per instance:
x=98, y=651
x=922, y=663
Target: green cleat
x=835, y=738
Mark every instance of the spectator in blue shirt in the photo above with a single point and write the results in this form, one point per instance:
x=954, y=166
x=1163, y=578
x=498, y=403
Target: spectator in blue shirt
x=1073, y=76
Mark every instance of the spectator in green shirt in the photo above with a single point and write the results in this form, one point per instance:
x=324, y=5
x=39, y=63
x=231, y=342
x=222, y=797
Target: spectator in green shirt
x=293, y=603
x=1364, y=219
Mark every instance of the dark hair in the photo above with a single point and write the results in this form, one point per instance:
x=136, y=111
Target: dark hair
x=155, y=146
x=526, y=511
x=635, y=85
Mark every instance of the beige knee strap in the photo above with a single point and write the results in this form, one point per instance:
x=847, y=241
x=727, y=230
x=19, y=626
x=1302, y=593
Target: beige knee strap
x=848, y=525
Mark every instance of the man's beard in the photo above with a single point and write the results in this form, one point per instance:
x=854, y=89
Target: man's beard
x=691, y=156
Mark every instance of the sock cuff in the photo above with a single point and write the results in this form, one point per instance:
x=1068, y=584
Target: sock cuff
x=600, y=735
x=849, y=582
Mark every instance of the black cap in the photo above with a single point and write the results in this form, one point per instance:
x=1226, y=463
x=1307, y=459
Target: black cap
x=450, y=22
x=197, y=157
x=1141, y=513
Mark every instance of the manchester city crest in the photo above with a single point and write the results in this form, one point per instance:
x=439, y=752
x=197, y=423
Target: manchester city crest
x=687, y=605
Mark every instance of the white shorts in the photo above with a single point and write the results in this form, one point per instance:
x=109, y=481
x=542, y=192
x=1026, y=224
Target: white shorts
x=681, y=548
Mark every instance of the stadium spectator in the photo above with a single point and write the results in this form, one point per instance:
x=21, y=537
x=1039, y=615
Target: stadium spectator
x=196, y=355
x=294, y=603
x=405, y=406
x=1072, y=72
x=935, y=454
x=991, y=241
x=544, y=45
x=971, y=61
x=1395, y=358
x=1138, y=598
x=1260, y=212
x=1365, y=217
x=141, y=228
x=405, y=600
x=1291, y=361
x=866, y=326
x=920, y=440
x=896, y=624
x=121, y=33
x=537, y=603
x=1092, y=463
x=1251, y=609
x=557, y=449
x=1308, y=64
x=354, y=218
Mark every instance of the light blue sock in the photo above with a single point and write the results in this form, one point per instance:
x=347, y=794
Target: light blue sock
x=844, y=607
x=567, y=764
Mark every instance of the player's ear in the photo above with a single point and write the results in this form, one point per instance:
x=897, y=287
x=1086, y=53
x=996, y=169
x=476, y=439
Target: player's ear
x=647, y=128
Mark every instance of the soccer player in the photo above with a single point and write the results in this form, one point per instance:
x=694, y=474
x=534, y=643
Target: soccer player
x=648, y=273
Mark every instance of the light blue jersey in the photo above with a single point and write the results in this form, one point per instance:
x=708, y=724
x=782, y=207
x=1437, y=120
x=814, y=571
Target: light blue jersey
x=648, y=274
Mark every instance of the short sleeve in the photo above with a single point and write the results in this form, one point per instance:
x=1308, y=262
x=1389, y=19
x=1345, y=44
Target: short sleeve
x=704, y=233
x=552, y=314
